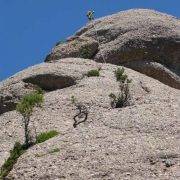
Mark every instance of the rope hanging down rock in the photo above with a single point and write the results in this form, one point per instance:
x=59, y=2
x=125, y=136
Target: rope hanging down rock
x=90, y=15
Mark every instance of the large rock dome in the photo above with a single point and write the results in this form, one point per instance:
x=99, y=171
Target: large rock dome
x=144, y=40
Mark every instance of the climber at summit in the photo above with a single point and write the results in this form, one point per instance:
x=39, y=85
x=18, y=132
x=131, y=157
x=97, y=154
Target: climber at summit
x=90, y=15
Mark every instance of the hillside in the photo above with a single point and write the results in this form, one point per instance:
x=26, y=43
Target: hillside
x=140, y=140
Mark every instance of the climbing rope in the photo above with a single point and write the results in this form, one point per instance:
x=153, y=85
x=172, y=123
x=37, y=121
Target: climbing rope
x=90, y=15
x=98, y=40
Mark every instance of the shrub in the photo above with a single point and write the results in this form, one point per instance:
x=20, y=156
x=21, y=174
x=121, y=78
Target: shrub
x=120, y=76
x=93, y=72
x=19, y=149
x=25, y=108
x=85, y=52
x=123, y=97
x=15, y=153
x=45, y=136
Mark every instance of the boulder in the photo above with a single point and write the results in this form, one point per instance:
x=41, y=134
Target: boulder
x=11, y=94
x=80, y=47
x=48, y=77
x=137, y=35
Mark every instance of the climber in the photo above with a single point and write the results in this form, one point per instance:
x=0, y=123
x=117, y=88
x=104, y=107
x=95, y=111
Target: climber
x=90, y=15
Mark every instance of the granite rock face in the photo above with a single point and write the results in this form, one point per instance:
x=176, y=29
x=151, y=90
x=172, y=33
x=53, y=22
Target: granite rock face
x=131, y=38
x=134, y=142
x=80, y=47
x=48, y=77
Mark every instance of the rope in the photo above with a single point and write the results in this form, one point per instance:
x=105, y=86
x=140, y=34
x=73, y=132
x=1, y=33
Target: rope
x=104, y=61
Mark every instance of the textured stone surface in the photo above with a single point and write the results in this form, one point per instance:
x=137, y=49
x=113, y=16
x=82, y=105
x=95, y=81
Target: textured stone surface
x=128, y=143
x=46, y=76
x=137, y=35
x=81, y=47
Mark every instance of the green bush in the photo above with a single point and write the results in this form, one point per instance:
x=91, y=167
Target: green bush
x=39, y=90
x=19, y=149
x=15, y=153
x=25, y=108
x=45, y=136
x=123, y=97
x=85, y=52
x=28, y=102
x=93, y=72
x=121, y=76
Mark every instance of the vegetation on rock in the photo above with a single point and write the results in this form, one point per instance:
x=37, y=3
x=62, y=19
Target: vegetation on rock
x=19, y=149
x=45, y=136
x=15, y=153
x=123, y=97
x=121, y=76
x=25, y=108
x=93, y=72
x=85, y=52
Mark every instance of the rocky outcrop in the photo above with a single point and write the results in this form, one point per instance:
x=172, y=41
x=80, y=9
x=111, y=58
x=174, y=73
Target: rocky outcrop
x=133, y=142
x=48, y=77
x=155, y=70
x=11, y=94
x=81, y=47
x=133, y=36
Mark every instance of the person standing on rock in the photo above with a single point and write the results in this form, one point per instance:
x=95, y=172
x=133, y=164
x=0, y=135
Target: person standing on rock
x=90, y=15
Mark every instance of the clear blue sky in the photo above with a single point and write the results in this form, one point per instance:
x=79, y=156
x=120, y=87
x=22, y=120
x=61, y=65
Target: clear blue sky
x=30, y=28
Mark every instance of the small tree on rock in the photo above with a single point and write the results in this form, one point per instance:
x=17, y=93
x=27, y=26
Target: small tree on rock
x=25, y=108
x=123, y=97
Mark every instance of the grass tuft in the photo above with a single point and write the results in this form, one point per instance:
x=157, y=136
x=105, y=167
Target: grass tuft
x=93, y=72
x=45, y=136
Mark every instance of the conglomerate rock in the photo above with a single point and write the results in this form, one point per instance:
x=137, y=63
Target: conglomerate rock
x=131, y=38
x=134, y=142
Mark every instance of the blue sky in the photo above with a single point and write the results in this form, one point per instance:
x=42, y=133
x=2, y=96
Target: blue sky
x=30, y=28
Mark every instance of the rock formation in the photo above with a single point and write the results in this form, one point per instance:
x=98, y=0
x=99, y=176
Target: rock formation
x=144, y=40
x=139, y=141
